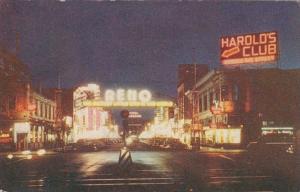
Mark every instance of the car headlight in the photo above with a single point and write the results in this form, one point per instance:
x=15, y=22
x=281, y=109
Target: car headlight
x=41, y=152
x=290, y=149
x=10, y=156
x=29, y=157
x=26, y=152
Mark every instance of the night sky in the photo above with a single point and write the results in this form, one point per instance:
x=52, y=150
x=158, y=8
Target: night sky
x=136, y=44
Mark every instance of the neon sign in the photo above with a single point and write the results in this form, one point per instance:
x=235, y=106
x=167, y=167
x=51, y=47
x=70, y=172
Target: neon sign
x=249, y=48
x=95, y=103
x=122, y=95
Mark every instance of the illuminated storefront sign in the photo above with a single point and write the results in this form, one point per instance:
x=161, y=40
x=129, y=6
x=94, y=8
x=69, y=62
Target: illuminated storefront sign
x=5, y=138
x=249, y=48
x=90, y=91
x=134, y=114
x=224, y=136
x=93, y=103
x=216, y=109
x=22, y=127
x=277, y=130
x=122, y=95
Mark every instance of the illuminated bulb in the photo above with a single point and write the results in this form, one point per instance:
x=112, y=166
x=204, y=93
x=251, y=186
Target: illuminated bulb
x=26, y=152
x=10, y=156
x=29, y=157
x=41, y=152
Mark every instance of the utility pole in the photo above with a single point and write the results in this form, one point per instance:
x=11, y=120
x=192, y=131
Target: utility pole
x=193, y=100
x=59, y=124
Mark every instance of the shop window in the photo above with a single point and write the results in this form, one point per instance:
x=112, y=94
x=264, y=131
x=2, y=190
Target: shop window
x=217, y=96
x=200, y=103
x=1, y=63
x=10, y=67
x=2, y=106
x=12, y=102
x=205, y=102
x=36, y=107
x=211, y=99
x=53, y=113
x=46, y=111
x=236, y=93
x=41, y=109
x=49, y=112
x=224, y=93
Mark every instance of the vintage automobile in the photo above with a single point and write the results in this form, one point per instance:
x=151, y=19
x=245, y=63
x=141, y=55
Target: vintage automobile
x=272, y=150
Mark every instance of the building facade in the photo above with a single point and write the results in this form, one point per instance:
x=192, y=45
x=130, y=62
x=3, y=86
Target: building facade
x=187, y=75
x=14, y=95
x=63, y=98
x=90, y=122
x=232, y=107
x=42, y=115
x=26, y=117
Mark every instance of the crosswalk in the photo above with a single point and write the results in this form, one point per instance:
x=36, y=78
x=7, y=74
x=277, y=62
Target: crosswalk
x=139, y=180
x=238, y=180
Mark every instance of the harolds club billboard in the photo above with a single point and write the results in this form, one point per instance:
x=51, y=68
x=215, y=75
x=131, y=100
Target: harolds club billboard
x=249, y=48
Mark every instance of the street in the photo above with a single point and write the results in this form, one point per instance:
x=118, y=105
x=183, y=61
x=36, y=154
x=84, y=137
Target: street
x=151, y=171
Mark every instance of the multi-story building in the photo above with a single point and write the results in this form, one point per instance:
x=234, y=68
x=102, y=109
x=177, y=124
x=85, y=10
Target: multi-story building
x=14, y=95
x=63, y=98
x=232, y=107
x=188, y=74
x=26, y=117
x=41, y=122
x=89, y=122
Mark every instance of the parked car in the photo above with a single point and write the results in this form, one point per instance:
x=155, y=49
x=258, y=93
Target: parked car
x=71, y=147
x=272, y=150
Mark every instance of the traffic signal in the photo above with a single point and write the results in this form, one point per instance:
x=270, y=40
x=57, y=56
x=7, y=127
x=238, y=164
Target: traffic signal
x=124, y=114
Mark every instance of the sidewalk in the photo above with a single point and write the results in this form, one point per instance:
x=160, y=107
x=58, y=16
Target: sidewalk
x=220, y=150
x=19, y=153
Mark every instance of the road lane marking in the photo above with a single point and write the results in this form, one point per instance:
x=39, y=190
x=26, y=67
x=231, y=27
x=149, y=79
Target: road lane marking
x=228, y=158
x=149, y=170
x=224, y=169
x=222, y=182
x=260, y=191
x=124, y=184
x=241, y=177
x=119, y=184
x=108, y=179
x=130, y=179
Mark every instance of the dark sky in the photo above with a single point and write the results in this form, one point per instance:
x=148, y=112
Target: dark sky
x=137, y=44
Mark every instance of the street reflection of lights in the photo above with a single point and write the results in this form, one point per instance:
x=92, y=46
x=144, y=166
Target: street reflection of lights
x=10, y=156
x=290, y=149
x=41, y=152
x=26, y=152
x=129, y=140
x=29, y=157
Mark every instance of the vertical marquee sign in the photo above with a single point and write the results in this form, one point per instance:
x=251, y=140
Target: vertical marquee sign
x=249, y=48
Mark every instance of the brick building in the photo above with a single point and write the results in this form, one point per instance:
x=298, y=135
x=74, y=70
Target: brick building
x=26, y=117
x=232, y=106
x=187, y=75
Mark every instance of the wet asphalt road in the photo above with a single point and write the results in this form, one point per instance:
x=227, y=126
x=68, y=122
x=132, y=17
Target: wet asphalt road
x=150, y=171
